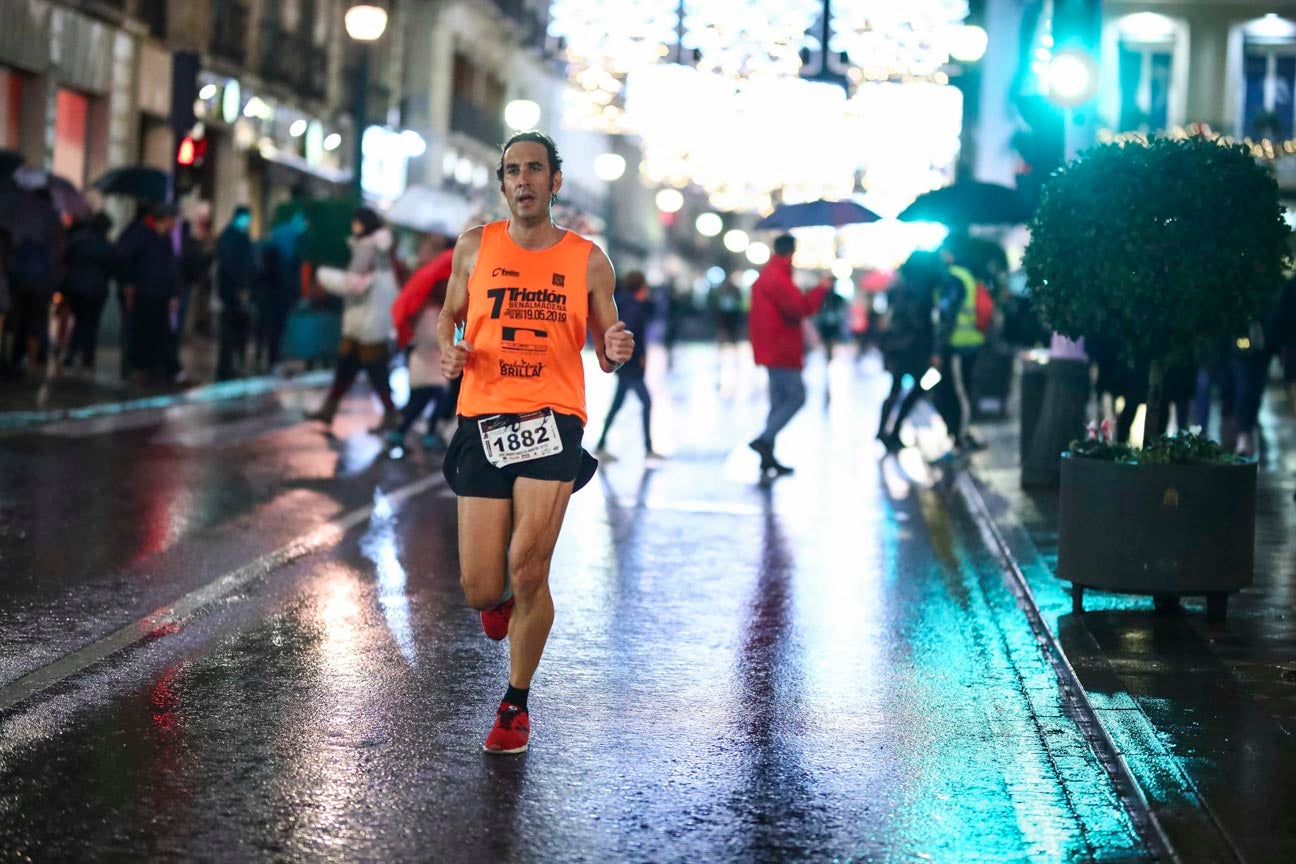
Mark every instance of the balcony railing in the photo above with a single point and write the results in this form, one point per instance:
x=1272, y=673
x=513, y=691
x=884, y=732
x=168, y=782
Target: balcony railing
x=230, y=30
x=476, y=122
x=294, y=60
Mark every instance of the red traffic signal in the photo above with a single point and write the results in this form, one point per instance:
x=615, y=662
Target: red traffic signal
x=192, y=151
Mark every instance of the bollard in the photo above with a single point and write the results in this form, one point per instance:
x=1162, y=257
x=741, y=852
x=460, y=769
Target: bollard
x=1061, y=421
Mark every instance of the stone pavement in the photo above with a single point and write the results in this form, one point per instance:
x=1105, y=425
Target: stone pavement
x=1202, y=716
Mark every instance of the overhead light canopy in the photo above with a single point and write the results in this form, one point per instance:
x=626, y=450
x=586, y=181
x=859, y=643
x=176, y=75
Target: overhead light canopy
x=366, y=22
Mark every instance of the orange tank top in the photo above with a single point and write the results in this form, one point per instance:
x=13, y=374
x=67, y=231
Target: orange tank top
x=526, y=322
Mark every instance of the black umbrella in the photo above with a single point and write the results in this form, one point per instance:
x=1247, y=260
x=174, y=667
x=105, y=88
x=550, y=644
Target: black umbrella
x=969, y=203
x=813, y=213
x=67, y=198
x=135, y=181
x=9, y=162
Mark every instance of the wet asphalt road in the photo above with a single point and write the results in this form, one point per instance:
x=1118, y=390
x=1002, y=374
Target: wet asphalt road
x=829, y=669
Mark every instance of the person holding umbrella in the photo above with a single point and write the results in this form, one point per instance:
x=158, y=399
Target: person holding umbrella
x=778, y=309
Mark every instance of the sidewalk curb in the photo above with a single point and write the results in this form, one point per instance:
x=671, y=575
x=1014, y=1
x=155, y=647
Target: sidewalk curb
x=11, y=421
x=1118, y=769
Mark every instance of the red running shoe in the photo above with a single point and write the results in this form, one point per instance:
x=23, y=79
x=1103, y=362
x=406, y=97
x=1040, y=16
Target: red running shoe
x=495, y=620
x=511, y=732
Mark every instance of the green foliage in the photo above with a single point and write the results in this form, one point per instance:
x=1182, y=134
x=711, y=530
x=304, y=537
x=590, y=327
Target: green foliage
x=1182, y=449
x=1165, y=248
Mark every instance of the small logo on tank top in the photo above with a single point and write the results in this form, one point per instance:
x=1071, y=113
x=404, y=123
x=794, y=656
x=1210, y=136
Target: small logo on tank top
x=559, y=280
x=520, y=369
x=504, y=271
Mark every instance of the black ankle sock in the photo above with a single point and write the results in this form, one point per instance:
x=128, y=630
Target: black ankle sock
x=515, y=696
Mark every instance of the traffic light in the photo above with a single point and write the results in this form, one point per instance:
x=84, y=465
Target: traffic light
x=189, y=159
x=1071, y=76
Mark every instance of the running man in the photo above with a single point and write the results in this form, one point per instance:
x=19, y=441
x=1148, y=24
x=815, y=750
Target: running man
x=524, y=290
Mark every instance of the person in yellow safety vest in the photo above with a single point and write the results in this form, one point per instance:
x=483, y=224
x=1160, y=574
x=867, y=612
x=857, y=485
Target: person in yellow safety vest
x=960, y=346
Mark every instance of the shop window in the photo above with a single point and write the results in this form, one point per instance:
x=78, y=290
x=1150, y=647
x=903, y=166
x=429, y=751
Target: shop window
x=477, y=108
x=1144, y=80
x=154, y=14
x=1268, y=107
x=11, y=94
x=229, y=29
x=71, y=135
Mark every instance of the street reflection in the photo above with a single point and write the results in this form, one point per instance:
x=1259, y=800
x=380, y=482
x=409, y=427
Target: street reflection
x=380, y=546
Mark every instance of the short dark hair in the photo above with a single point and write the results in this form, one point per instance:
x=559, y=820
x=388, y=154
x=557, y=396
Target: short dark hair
x=555, y=161
x=369, y=220
x=784, y=244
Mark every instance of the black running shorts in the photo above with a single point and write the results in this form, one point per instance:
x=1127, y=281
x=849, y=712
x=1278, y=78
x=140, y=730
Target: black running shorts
x=471, y=475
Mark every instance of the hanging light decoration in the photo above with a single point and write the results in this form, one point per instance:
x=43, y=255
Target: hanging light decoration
x=699, y=80
x=748, y=38
x=890, y=41
x=604, y=42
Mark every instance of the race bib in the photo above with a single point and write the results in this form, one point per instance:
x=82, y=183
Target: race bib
x=512, y=438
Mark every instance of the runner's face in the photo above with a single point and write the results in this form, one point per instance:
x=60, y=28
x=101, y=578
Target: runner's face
x=527, y=184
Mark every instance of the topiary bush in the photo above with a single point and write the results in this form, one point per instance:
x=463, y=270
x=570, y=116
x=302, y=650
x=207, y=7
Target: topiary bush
x=1168, y=247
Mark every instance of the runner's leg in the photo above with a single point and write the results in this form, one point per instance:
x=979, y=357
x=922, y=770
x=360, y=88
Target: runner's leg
x=484, y=528
x=538, y=510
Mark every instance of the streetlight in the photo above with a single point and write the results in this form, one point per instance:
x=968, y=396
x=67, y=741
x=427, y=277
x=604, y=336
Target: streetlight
x=522, y=115
x=968, y=43
x=365, y=23
x=609, y=167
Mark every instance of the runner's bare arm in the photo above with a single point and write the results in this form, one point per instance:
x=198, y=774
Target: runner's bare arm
x=455, y=310
x=612, y=341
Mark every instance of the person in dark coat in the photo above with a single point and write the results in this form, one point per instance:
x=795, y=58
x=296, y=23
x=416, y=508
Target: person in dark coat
x=281, y=278
x=150, y=286
x=236, y=271
x=909, y=340
x=4, y=282
x=636, y=308
x=90, y=263
x=36, y=247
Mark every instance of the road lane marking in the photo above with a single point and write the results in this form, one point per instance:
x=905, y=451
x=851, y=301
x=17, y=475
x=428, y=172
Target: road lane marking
x=170, y=618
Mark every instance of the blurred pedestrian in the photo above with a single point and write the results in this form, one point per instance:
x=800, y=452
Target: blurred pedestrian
x=1281, y=326
x=37, y=240
x=778, y=310
x=415, y=314
x=727, y=310
x=960, y=346
x=4, y=287
x=150, y=289
x=236, y=273
x=90, y=264
x=908, y=342
x=281, y=262
x=830, y=322
x=635, y=305
x=368, y=289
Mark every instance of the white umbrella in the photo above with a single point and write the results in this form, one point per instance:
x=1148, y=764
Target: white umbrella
x=426, y=209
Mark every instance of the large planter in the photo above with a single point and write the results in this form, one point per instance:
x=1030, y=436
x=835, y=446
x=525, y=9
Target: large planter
x=1164, y=530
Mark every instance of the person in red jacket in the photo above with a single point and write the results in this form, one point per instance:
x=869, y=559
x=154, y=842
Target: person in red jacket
x=778, y=309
